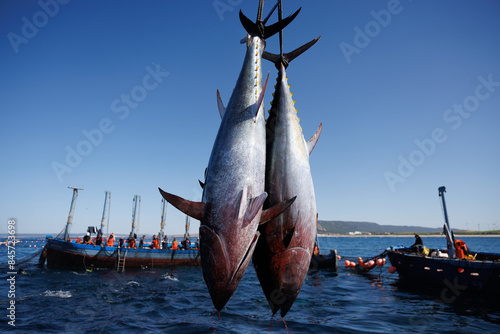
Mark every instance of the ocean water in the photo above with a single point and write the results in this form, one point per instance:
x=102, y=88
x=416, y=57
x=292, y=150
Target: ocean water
x=177, y=300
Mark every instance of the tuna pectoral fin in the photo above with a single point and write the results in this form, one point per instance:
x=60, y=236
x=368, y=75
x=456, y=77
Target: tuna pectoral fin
x=192, y=209
x=256, y=106
x=254, y=207
x=311, y=143
x=275, y=210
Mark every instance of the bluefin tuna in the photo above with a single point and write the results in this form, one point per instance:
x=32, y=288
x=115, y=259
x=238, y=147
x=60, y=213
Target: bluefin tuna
x=284, y=250
x=233, y=191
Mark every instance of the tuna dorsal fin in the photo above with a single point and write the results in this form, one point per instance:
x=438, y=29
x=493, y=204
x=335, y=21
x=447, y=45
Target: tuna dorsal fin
x=275, y=210
x=256, y=106
x=222, y=109
x=311, y=143
x=262, y=31
x=254, y=207
x=192, y=209
x=202, y=185
x=288, y=57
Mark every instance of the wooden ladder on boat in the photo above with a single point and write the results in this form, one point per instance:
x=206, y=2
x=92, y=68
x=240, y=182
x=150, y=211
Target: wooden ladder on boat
x=120, y=266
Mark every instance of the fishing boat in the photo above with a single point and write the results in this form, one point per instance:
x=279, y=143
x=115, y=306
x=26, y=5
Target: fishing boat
x=456, y=268
x=62, y=252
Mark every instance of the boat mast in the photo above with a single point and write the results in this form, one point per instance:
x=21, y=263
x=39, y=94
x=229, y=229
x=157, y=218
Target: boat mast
x=135, y=206
x=107, y=194
x=71, y=209
x=162, y=223
x=186, y=234
x=447, y=231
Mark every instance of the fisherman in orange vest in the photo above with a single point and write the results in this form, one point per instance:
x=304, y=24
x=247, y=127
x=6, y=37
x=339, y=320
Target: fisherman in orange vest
x=111, y=240
x=174, y=244
x=154, y=243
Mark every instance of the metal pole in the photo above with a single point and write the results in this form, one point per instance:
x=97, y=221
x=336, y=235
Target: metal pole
x=71, y=209
x=103, y=219
x=162, y=223
x=137, y=199
x=449, y=235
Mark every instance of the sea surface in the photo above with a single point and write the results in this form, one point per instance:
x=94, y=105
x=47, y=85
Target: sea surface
x=177, y=300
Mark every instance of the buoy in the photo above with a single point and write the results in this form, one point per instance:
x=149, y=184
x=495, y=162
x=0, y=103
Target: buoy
x=392, y=269
x=383, y=260
x=461, y=270
x=353, y=264
x=338, y=257
x=380, y=262
x=370, y=264
x=360, y=261
x=347, y=263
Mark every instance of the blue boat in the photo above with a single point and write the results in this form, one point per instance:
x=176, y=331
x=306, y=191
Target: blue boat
x=62, y=252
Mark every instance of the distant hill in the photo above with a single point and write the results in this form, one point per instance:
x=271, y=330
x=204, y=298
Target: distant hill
x=344, y=227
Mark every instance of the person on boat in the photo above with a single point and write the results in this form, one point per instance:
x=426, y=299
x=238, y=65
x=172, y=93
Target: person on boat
x=111, y=240
x=131, y=242
x=418, y=245
x=316, y=249
x=186, y=244
x=154, y=244
x=175, y=244
x=98, y=239
x=87, y=239
x=121, y=243
x=141, y=242
x=461, y=250
x=78, y=240
x=164, y=243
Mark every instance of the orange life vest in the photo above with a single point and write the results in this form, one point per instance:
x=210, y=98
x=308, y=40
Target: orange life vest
x=155, y=244
x=461, y=250
x=174, y=245
x=110, y=242
x=131, y=243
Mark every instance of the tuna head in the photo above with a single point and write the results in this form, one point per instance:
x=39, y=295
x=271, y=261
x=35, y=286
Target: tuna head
x=284, y=249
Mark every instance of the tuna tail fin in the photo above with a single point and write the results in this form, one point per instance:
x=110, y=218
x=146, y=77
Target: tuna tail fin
x=192, y=209
x=275, y=210
x=311, y=143
x=288, y=57
x=262, y=31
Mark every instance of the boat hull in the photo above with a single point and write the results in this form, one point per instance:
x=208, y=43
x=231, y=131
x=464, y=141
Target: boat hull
x=63, y=254
x=454, y=274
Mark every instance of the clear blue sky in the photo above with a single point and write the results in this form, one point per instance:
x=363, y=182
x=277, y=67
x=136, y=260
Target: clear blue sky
x=408, y=93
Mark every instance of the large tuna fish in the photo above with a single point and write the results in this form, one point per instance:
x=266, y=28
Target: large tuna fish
x=233, y=191
x=284, y=250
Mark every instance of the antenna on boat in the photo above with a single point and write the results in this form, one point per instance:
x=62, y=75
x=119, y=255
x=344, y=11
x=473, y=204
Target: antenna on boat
x=449, y=234
x=162, y=223
x=135, y=209
x=107, y=194
x=71, y=209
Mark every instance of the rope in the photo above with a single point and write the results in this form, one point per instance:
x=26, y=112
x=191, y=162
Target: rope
x=24, y=259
